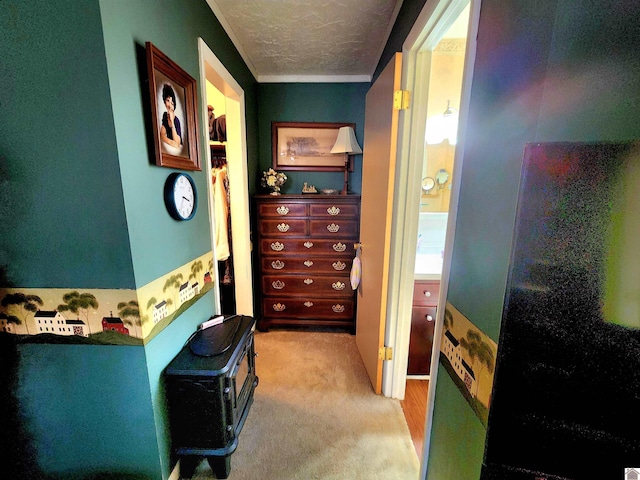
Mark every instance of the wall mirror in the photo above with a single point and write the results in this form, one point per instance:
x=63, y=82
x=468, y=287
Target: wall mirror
x=427, y=184
x=442, y=177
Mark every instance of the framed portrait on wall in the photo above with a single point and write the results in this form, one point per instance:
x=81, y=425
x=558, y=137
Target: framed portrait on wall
x=307, y=146
x=173, y=112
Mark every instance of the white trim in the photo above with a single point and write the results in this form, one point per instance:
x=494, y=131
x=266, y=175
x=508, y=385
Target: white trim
x=212, y=68
x=314, y=79
x=418, y=377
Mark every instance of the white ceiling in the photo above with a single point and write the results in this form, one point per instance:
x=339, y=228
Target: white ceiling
x=308, y=40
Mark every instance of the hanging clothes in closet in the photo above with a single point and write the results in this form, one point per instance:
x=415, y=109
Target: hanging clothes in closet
x=221, y=200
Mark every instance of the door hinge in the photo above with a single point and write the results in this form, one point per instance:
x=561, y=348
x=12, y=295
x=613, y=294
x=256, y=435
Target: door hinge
x=401, y=99
x=385, y=353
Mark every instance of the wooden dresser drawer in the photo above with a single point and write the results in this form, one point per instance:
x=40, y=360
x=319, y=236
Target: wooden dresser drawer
x=308, y=264
x=287, y=227
x=282, y=209
x=333, y=210
x=308, y=286
x=312, y=309
x=334, y=228
x=301, y=246
x=426, y=292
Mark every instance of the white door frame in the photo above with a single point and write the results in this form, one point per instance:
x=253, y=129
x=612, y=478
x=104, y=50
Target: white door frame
x=213, y=70
x=431, y=24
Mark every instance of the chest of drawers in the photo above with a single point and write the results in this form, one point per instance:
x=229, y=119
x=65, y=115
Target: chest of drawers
x=305, y=248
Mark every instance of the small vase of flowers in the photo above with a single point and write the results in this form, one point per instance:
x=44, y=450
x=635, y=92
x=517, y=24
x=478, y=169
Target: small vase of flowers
x=273, y=180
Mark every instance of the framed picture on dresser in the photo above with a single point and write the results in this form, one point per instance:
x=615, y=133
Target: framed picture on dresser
x=307, y=146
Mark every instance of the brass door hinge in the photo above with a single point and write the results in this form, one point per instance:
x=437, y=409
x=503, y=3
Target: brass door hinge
x=385, y=353
x=401, y=99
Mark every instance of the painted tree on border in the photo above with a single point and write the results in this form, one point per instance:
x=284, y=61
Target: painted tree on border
x=29, y=304
x=480, y=352
x=129, y=312
x=79, y=303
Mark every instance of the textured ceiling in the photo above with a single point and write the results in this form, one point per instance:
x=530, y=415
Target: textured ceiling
x=308, y=40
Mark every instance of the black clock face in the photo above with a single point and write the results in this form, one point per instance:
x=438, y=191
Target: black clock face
x=180, y=196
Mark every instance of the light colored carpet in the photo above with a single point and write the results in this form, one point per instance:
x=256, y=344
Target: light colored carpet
x=315, y=416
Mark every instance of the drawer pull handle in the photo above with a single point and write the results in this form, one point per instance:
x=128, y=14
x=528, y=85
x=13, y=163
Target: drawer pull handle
x=282, y=210
x=333, y=210
x=277, y=246
x=333, y=228
x=308, y=304
x=308, y=244
x=339, y=265
x=278, y=284
x=279, y=307
x=339, y=247
x=337, y=308
x=338, y=286
x=283, y=227
x=427, y=293
x=277, y=265
x=429, y=318
x=308, y=263
x=308, y=281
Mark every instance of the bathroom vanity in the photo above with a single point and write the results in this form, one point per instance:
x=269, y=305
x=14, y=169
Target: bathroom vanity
x=426, y=290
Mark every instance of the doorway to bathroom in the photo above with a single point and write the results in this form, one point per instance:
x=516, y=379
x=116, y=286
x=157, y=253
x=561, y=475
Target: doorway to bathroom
x=421, y=156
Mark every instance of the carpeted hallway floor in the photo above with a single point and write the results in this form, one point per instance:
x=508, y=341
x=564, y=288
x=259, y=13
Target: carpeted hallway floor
x=315, y=416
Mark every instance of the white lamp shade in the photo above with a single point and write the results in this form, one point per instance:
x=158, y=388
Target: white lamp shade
x=346, y=142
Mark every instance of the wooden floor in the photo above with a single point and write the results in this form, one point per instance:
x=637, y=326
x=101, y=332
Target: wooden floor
x=414, y=407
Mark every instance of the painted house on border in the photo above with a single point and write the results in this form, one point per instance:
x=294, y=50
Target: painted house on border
x=451, y=349
x=52, y=321
x=114, y=324
x=160, y=311
x=186, y=292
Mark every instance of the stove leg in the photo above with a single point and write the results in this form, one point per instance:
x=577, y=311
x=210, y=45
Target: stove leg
x=188, y=466
x=221, y=466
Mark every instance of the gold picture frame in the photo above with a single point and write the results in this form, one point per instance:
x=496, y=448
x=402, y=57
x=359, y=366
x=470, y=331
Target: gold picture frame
x=306, y=146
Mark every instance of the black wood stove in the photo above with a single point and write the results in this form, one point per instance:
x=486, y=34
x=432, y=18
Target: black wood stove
x=210, y=386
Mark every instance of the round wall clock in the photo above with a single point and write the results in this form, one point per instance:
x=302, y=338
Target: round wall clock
x=180, y=196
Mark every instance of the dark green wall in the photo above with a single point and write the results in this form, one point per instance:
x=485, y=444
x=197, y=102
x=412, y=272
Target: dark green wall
x=549, y=70
x=62, y=209
x=311, y=102
x=81, y=207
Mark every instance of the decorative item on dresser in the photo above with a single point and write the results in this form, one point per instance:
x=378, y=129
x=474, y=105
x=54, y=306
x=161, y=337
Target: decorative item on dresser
x=305, y=249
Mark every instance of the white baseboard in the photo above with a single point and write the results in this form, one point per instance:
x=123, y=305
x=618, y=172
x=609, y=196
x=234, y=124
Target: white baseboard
x=418, y=377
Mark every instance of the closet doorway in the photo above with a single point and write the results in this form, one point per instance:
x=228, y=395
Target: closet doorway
x=227, y=189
